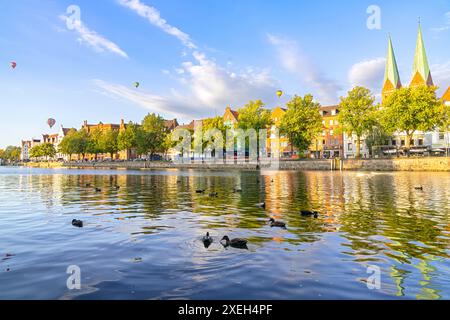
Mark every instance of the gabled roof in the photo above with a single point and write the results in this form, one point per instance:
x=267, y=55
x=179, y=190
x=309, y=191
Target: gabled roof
x=446, y=96
x=327, y=109
x=234, y=114
x=171, y=124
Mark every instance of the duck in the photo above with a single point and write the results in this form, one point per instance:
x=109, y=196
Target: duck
x=419, y=188
x=98, y=190
x=207, y=240
x=200, y=191
x=213, y=194
x=77, y=223
x=262, y=205
x=308, y=213
x=236, y=190
x=88, y=185
x=117, y=187
x=274, y=223
x=236, y=242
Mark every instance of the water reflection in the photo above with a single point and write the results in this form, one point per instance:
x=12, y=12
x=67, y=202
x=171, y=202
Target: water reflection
x=148, y=231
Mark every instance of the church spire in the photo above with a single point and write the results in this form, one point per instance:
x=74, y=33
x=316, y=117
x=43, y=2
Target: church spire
x=421, y=70
x=391, y=76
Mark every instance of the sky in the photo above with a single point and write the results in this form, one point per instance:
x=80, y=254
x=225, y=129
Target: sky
x=193, y=58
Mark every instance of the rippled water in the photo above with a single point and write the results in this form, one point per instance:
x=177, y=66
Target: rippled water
x=143, y=241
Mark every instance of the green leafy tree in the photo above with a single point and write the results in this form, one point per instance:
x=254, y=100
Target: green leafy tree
x=127, y=138
x=108, y=142
x=412, y=109
x=214, y=123
x=67, y=145
x=302, y=122
x=94, y=143
x=81, y=143
x=154, y=134
x=11, y=154
x=47, y=150
x=375, y=137
x=2, y=153
x=36, y=152
x=254, y=116
x=356, y=114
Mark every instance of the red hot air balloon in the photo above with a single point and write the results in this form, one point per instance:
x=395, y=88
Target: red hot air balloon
x=51, y=122
x=13, y=64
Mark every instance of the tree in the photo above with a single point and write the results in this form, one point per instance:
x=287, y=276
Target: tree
x=302, y=122
x=81, y=142
x=127, y=138
x=36, y=152
x=108, y=142
x=67, y=145
x=376, y=136
x=11, y=154
x=215, y=123
x=254, y=116
x=154, y=134
x=47, y=150
x=94, y=145
x=411, y=109
x=356, y=114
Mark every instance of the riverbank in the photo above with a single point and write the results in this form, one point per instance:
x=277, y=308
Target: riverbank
x=429, y=164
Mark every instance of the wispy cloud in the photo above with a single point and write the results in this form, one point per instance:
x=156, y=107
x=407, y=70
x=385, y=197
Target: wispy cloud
x=296, y=62
x=444, y=27
x=152, y=102
x=368, y=73
x=441, y=75
x=154, y=17
x=94, y=40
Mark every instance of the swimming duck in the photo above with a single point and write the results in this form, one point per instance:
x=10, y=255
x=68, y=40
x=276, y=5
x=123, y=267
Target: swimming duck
x=235, y=190
x=236, y=242
x=262, y=205
x=200, y=191
x=117, y=187
x=419, y=188
x=98, y=190
x=77, y=223
x=207, y=240
x=213, y=194
x=308, y=213
x=274, y=223
x=88, y=185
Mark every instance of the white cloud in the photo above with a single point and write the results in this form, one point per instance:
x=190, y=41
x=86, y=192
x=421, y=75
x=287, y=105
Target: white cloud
x=94, y=40
x=154, y=17
x=368, y=73
x=441, y=75
x=297, y=63
x=446, y=25
x=152, y=102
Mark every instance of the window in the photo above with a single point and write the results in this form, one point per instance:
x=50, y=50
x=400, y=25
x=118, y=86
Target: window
x=350, y=147
x=336, y=122
x=333, y=112
x=394, y=142
x=323, y=133
x=441, y=136
x=323, y=122
x=331, y=132
x=331, y=122
x=402, y=142
x=420, y=142
x=323, y=142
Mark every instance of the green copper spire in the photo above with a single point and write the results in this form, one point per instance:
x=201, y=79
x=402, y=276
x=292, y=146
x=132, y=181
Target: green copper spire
x=391, y=72
x=421, y=66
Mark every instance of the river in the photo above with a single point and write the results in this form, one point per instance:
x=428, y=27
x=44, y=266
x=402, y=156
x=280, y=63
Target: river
x=143, y=240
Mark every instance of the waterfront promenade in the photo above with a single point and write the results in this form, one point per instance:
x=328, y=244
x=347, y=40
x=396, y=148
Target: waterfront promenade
x=427, y=164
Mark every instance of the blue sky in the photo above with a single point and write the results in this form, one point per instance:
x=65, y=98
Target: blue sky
x=195, y=57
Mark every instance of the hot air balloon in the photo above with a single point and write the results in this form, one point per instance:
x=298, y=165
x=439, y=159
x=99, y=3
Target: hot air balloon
x=279, y=93
x=13, y=64
x=51, y=122
x=136, y=84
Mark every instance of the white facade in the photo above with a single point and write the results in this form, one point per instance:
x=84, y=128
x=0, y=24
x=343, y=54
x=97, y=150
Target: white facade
x=27, y=145
x=350, y=147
